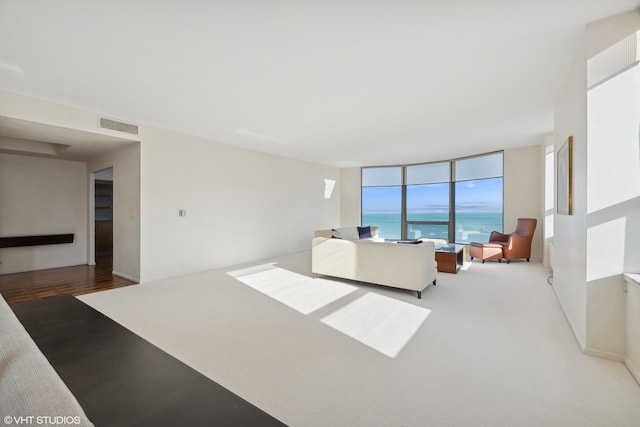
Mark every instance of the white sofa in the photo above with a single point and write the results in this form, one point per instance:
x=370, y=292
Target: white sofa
x=29, y=386
x=398, y=265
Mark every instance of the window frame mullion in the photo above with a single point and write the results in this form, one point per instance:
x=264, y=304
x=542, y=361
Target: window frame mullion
x=403, y=208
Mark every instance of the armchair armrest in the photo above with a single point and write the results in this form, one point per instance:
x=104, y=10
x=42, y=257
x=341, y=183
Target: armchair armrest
x=518, y=242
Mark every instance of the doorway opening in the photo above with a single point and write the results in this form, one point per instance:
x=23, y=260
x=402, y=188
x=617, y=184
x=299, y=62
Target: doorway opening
x=104, y=217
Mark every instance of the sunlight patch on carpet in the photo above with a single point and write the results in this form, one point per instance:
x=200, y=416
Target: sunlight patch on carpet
x=300, y=292
x=382, y=323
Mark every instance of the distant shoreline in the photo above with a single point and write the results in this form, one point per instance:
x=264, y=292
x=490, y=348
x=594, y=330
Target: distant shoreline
x=470, y=225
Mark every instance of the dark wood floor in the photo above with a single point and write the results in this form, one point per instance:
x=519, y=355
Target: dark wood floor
x=76, y=280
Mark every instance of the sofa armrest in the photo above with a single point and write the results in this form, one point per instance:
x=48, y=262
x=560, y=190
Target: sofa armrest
x=29, y=385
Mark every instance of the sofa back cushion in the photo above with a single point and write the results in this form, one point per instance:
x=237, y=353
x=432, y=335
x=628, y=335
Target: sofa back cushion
x=348, y=233
x=385, y=263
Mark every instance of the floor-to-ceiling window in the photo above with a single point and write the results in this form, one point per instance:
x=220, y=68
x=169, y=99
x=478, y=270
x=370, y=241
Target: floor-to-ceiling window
x=382, y=200
x=428, y=200
x=458, y=200
x=478, y=196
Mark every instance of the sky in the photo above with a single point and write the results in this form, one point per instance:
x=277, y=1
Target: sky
x=482, y=195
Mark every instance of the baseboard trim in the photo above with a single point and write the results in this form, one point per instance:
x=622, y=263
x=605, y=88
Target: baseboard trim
x=604, y=354
x=583, y=348
x=577, y=337
x=126, y=276
x=635, y=372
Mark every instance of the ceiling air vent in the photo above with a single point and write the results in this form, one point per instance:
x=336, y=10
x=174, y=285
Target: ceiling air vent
x=118, y=126
x=613, y=60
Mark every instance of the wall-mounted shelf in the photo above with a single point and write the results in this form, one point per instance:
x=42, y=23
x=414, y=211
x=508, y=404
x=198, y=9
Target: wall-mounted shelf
x=48, y=239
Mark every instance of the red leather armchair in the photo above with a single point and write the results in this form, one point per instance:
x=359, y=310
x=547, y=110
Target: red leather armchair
x=517, y=244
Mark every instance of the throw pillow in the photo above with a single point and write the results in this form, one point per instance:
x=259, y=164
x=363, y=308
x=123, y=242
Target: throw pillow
x=348, y=233
x=365, y=232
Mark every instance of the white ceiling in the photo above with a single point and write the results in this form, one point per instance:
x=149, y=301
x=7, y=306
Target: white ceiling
x=343, y=83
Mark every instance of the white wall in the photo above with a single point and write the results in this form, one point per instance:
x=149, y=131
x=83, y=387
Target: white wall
x=42, y=196
x=350, y=206
x=608, y=31
x=125, y=162
x=241, y=205
x=569, y=241
x=523, y=190
x=611, y=193
x=633, y=328
x=26, y=108
x=595, y=245
x=547, y=160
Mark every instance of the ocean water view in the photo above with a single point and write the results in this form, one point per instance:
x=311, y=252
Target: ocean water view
x=470, y=226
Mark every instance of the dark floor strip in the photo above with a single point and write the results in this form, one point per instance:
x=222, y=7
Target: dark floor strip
x=122, y=380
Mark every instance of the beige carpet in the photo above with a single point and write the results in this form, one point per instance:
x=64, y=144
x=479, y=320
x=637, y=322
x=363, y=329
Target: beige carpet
x=486, y=347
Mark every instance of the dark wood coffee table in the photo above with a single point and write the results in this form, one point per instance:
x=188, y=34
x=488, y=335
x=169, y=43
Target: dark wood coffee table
x=450, y=257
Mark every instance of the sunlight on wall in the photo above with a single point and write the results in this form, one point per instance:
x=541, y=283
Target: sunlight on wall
x=613, y=155
x=549, y=191
x=548, y=226
x=382, y=323
x=11, y=67
x=300, y=292
x=328, y=187
x=606, y=249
